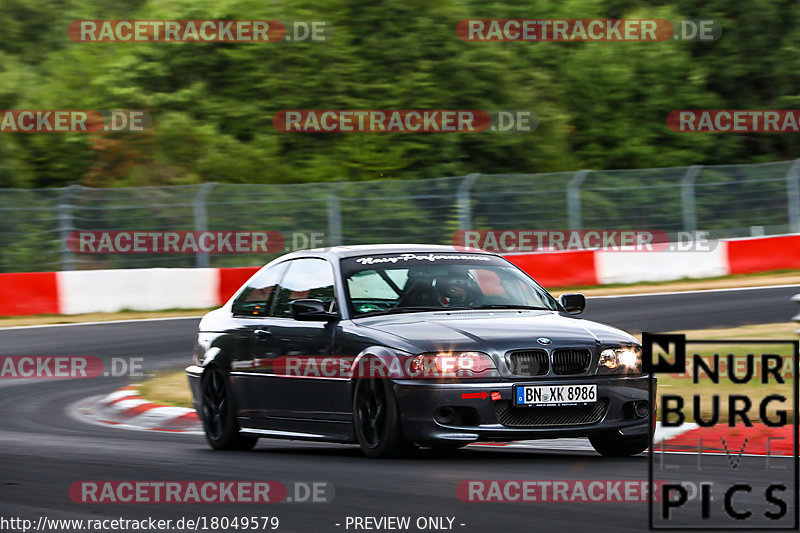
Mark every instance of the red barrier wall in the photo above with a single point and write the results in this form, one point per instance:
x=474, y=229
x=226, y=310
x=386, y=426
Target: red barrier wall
x=30, y=293
x=746, y=256
x=37, y=292
x=230, y=279
x=559, y=269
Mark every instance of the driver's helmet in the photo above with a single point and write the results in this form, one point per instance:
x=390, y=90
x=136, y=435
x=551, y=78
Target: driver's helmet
x=457, y=288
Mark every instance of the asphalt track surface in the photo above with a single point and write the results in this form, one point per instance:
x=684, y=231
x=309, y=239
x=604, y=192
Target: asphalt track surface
x=44, y=449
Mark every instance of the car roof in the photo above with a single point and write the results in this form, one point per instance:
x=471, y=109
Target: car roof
x=375, y=249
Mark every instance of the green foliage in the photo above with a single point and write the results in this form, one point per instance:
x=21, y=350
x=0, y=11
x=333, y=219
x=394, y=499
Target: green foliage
x=600, y=105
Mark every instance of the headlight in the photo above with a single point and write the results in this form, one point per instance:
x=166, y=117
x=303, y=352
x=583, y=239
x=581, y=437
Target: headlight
x=625, y=359
x=451, y=365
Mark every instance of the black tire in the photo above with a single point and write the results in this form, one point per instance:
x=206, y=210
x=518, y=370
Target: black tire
x=615, y=445
x=376, y=420
x=218, y=413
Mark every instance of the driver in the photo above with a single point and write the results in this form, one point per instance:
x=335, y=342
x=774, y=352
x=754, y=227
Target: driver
x=457, y=289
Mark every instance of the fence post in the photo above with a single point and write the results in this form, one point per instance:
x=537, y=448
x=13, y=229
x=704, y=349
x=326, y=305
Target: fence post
x=201, y=219
x=793, y=196
x=796, y=299
x=574, y=200
x=464, y=201
x=334, y=218
x=66, y=226
x=687, y=198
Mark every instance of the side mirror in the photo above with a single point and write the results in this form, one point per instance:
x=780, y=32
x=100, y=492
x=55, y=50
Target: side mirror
x=311, y=310
x=573, y=302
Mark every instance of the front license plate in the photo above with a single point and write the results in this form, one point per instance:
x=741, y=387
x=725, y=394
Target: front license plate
x=541, y=395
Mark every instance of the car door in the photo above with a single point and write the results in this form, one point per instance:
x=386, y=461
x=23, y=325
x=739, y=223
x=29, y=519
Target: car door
x=252, y=350
x=301, y=394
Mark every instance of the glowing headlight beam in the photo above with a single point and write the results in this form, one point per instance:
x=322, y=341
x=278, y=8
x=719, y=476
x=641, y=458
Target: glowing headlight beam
x=627, y=358
x=619, y=357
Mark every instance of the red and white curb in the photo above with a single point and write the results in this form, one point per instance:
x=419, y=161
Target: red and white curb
x=662, y=435
x=125, y=408
x=758, y=440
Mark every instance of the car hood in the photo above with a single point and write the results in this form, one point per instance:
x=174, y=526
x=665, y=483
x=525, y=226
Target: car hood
x=491, y=331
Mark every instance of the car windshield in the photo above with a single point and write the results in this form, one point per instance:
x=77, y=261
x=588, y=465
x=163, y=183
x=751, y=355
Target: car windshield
x=406, y=283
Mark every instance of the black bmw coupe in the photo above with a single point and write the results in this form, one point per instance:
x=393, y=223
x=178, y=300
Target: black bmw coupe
x=399, y=346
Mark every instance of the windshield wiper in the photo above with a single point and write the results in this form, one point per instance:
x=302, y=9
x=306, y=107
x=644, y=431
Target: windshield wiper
x=513, y=306
x=412, y=309
x=423, y=308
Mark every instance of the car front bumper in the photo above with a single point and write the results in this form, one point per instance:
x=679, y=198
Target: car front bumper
x=423, y=402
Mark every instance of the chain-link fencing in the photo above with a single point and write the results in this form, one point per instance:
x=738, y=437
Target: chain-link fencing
x=725, y=201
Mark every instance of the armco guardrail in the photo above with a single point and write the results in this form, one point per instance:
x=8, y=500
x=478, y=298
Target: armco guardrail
x=89, y=291
x=796, y=299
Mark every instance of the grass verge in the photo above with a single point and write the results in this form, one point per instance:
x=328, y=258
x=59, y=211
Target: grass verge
x=38, y=320
x=167, y=388
x=759, y=279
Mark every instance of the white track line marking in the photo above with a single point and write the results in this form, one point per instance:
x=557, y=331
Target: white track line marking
x=697, y=291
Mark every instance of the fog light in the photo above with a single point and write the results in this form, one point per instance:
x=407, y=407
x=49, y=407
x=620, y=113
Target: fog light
x=445, y=415
x=642, y=409
x=456, y=416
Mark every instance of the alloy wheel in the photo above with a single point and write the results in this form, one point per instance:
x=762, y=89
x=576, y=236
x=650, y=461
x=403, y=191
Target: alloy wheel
x=215, y=404
x=371, y=407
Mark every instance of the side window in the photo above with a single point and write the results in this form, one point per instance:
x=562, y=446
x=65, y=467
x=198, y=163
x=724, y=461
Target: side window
x=306, y=278
x=257, y=297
